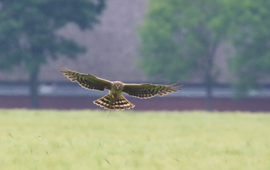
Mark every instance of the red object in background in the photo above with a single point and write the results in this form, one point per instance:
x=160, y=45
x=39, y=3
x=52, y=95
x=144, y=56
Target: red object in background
x=156, y=103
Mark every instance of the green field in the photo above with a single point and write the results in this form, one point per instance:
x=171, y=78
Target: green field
x=94, y=140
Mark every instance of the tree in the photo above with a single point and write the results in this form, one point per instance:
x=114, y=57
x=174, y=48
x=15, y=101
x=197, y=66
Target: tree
x=249, y=33
x=179, y=39
x=28, y=33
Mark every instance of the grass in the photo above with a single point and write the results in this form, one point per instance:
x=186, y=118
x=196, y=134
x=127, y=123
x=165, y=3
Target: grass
x=83, y=140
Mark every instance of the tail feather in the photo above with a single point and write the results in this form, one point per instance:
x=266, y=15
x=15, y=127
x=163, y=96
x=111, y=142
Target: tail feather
x=110, y=103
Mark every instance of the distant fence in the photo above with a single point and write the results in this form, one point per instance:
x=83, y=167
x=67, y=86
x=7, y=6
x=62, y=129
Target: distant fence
x=156, y=103
x=72, y=96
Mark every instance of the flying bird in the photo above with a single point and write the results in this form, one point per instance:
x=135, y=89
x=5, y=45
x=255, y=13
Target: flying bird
x=114, y=100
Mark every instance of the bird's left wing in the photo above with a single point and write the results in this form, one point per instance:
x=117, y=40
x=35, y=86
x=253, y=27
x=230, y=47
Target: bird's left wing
x=86, y=80
x=149, y=90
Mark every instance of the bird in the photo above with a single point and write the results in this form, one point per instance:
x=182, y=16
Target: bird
x=115, y=100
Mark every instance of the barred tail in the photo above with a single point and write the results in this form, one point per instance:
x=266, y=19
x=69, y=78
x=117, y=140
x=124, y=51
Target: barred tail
x=110, y=103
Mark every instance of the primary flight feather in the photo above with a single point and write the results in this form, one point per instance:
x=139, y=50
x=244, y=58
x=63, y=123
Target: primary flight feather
x=114, y=100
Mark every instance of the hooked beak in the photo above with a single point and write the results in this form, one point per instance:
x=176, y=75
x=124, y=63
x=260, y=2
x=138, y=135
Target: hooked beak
x=117, y=87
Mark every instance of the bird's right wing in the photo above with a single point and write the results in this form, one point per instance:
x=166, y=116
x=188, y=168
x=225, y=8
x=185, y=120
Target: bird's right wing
x=86, y=80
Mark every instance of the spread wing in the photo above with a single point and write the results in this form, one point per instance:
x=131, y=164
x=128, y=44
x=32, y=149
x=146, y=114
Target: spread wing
x=149, y=90
x=86, y=80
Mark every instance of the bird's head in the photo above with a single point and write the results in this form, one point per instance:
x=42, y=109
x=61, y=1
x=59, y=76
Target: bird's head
x=118, y=85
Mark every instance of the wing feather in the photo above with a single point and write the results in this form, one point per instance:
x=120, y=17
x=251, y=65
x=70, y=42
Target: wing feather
x=149, y=90
x=86, y=80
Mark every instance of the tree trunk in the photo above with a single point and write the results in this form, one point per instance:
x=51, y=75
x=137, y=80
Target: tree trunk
x=208, y=80
x=33, y=85
x=209, y=95
x=209, y=77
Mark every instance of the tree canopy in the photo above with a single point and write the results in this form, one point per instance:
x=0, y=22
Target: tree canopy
x=28, y=32
x=249, y=33
x=179, y=39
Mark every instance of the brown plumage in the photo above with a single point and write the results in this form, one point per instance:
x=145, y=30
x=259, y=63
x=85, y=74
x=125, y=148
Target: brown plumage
x=114, y=100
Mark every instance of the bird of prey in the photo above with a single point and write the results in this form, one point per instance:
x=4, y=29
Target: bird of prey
x=114, y=100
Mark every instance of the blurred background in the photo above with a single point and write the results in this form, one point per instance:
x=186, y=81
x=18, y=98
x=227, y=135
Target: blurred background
x=219, y=51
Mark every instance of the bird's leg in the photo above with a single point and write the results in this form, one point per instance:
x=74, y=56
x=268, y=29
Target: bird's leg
x=104, y=113
x=113, y=98
x=108, y=114
x=114, y=95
